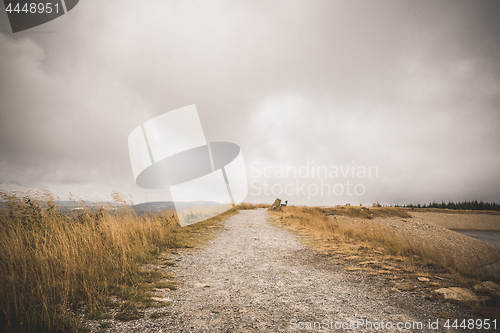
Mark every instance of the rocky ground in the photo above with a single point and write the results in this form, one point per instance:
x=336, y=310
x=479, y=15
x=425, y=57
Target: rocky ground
x=257, y=277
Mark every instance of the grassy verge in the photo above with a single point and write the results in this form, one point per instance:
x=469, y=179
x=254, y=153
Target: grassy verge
x=346, y=236
x=53, y=264
x=246, y=206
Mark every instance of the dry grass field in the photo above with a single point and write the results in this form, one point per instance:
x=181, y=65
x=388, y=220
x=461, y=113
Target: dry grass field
x=408, y=252
x=54, y=265
x=397, y=232
x=246, y=205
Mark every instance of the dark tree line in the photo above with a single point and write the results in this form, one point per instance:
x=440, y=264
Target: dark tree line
x=469, y=205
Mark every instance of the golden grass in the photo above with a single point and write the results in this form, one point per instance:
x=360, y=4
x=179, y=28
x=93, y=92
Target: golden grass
x=53, y=264
x=332, y=228
x=195, y=214
x=246, y=205
x=376, y=250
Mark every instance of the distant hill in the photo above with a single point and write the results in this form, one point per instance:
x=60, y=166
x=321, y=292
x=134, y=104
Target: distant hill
x=156, y=206
x=162, y=205
x=71, y=204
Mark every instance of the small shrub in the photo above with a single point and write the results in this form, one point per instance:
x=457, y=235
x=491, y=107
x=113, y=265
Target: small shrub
x=246, y=206
x=128, y=312
x=156, y=315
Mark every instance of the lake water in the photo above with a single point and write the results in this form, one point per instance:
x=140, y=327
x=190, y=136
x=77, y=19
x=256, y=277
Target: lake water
x=490, y=237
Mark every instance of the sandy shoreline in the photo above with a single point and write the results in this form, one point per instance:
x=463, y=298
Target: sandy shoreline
x=460, y=221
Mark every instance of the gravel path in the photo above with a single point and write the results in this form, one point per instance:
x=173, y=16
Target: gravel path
x=257, y=277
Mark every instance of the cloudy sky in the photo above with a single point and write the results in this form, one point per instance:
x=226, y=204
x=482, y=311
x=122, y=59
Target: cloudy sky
x=409, y=88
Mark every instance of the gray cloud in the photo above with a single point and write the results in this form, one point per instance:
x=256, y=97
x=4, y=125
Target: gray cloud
x=409, y=86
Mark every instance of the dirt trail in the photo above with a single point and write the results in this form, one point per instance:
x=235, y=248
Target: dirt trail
x=256, y=277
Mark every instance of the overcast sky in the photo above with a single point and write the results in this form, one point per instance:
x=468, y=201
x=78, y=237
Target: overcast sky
x=409, y=87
